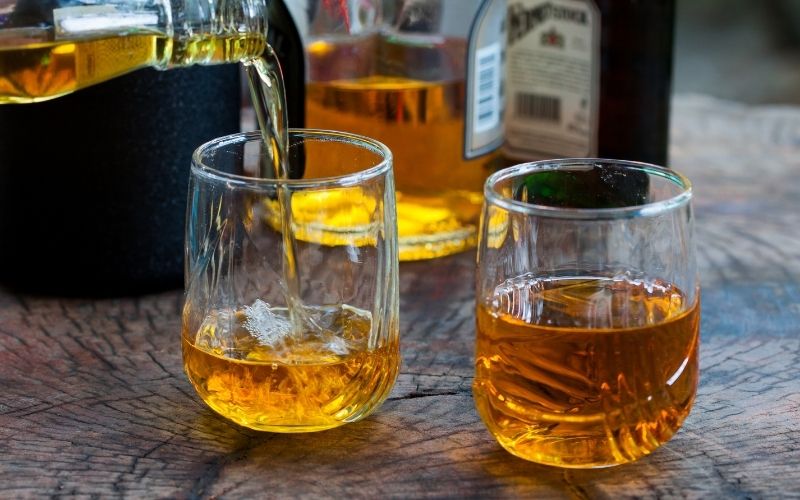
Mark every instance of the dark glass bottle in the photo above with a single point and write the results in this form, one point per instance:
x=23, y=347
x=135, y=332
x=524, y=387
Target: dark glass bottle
x=635, y=79
x=285, y=40
x=589, y=78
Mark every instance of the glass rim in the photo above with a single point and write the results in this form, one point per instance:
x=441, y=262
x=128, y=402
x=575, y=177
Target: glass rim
x=645, y=210
x=201, y=168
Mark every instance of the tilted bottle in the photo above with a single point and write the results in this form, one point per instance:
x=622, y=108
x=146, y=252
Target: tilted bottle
x=93, y=183
x=588, y=78
x=48, y=49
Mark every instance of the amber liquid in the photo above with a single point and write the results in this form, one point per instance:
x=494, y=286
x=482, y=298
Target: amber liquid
x=439, y=193
x=312, y=381
x=585, y=372
x=38, y=70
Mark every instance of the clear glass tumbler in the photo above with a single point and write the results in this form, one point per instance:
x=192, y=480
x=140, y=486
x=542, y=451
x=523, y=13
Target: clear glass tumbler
x=587, y=310
x=289, y=325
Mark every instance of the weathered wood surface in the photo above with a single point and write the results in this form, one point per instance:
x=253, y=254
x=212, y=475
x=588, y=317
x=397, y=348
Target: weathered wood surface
x=94, y=401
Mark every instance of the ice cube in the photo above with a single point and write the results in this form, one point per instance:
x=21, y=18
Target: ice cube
x=267, y=327
x=337, y=345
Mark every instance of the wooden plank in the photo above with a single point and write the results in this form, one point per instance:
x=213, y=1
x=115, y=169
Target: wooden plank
x=744, y=165
x=95, y=401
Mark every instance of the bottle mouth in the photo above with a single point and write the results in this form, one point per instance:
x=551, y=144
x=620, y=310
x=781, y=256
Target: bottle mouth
x=231, y=31
x=588, y=188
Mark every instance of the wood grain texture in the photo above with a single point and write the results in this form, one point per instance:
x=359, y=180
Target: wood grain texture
x=94, y=401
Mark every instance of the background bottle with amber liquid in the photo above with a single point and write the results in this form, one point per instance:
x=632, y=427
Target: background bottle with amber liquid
x=423, y=77
x=588, y=78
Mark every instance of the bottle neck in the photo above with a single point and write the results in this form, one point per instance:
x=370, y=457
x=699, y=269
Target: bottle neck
x=216, y=31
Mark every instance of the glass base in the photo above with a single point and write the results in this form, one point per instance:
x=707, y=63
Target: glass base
x=437, y=225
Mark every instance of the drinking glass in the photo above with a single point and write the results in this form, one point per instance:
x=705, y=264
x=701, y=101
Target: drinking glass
x=291, y=324
x=587, y=310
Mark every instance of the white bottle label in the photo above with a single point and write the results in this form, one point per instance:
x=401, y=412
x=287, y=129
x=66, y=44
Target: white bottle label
x=487, y=88
x=552, y=79
x=483, y=130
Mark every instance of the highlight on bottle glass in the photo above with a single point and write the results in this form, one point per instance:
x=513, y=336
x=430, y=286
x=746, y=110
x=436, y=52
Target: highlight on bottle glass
x=290, y=322
x=588, y=310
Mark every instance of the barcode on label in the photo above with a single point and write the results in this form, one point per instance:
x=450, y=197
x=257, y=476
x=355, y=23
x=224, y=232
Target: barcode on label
x=487, y=88
x=537, y=107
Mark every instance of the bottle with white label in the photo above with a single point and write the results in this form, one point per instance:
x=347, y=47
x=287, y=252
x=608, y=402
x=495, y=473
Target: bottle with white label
x=588, y=78
x=424, y=77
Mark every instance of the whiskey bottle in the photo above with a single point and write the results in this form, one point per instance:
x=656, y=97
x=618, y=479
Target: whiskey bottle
x=425, y=77
x=93, y=183
x=588, y=78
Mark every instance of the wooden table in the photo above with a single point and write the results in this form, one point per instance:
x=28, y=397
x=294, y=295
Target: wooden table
x=94, y=401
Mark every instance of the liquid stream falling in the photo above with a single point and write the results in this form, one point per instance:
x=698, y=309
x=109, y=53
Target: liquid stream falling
x=269, y=101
